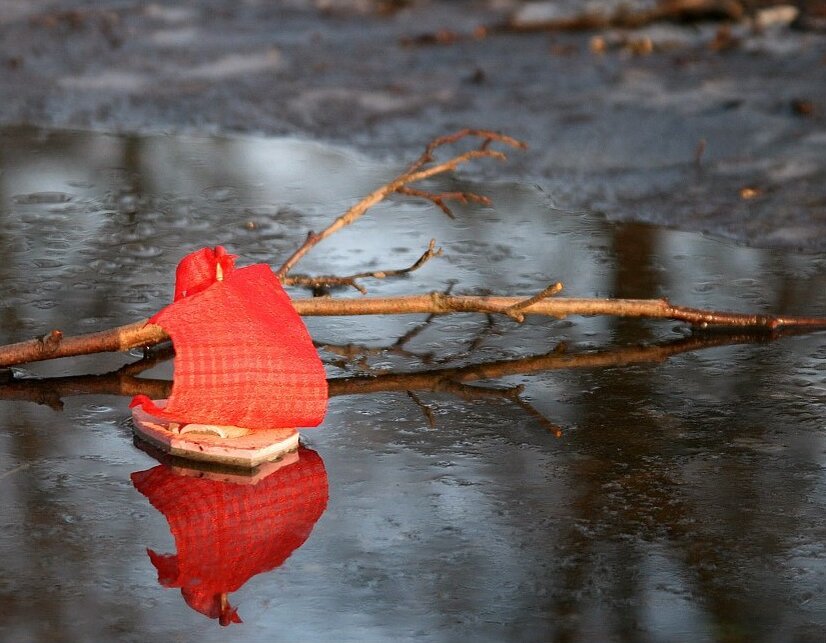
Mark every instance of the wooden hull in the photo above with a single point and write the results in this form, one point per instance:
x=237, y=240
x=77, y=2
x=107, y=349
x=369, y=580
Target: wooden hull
x=226, y=445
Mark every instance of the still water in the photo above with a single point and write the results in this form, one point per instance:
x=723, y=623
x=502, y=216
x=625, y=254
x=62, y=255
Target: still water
x=601, y=480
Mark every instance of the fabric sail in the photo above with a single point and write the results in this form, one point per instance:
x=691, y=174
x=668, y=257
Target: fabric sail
x=227, y=533
x=243, y=356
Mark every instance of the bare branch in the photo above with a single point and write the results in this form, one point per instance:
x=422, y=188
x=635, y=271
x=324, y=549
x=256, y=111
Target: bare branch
x=439, y=198
x=681, y=11
x=121, y=338
x=487, y=137
x=515, y=311
x=426, y=410
x=416, y=172
x=328, y=281
x=531, y=409
x=138, y=334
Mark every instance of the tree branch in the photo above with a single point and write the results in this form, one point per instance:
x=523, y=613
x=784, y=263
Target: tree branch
x=560, y=307
x=143, y=334
x=426, y=410
x=328, y=281
x=439, y=198
x=417, y=171
x=121, y=338
x=515, y=311
x=679, y=11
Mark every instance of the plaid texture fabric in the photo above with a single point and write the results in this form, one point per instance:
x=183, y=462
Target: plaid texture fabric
x=227, y=533
x=198, y=270
x=243, y=356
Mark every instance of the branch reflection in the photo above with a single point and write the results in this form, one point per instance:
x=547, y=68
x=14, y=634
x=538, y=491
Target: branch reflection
x=126, y=381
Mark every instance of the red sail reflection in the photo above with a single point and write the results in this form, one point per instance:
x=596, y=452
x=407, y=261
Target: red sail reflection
x=225, y=532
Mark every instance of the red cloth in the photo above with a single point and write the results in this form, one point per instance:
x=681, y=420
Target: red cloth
x=243, y=356
x=226, y=533
x=197, y=270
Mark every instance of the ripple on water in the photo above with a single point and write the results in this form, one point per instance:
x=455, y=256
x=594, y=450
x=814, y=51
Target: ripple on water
x=104, y=266
x=143, y=251
x=220, y=193
x=42, y=198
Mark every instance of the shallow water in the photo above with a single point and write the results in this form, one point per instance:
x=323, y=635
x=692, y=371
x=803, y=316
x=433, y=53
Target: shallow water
x=629, y=497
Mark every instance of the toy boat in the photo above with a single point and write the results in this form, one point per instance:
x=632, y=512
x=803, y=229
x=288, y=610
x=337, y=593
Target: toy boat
x=246, y=371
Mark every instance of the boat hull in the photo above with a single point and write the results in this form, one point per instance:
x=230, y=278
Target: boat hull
x=227, y=445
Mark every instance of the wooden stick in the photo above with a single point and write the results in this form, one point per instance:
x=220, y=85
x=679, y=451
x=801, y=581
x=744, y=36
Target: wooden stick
x=679, y=11
x=326, y=281
x=143, y=334
x=439, y=303
x=515, y=311
x=54, y=344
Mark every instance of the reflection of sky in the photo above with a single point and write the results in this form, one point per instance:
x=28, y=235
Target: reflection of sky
x=673, y=488
x=666, y=604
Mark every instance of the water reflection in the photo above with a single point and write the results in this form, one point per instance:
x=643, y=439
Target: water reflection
x=230, y=526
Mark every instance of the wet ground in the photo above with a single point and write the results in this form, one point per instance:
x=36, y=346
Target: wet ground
x=713, y=126
x=643, y=484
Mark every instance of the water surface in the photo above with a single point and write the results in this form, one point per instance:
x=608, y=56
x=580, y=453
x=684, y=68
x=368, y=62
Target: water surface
x=628, y=498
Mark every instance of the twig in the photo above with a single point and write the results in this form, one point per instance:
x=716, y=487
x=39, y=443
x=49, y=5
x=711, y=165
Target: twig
x=328, y=281
x=438, y=303
x=623, y=17
x=439, y=199
x=416, y=172
x=487, y=136
x=121, y=338
x=679, y=11
x=532, y=410
x=426, y=410
x=142, y=334
x=11, y=472
x=515, y=311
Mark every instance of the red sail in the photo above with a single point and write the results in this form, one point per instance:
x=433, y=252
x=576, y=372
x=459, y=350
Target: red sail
x=227, y=533
x=243, y=356
x=199, y=270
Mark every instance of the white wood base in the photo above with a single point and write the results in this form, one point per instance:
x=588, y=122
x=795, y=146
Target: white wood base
x=229, y=445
